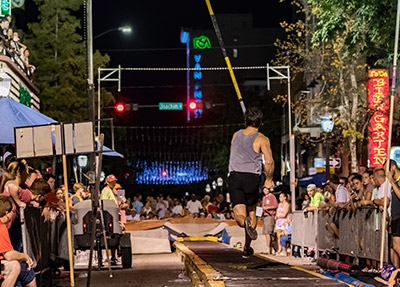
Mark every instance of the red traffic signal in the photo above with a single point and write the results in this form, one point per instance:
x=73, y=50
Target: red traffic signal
x=120, y=108
x=192, y=105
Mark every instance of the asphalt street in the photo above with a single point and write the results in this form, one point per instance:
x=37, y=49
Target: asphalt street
x=154, y=270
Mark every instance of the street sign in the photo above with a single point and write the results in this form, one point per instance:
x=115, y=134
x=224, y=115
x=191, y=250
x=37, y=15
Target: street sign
x=322, y=169
x=170, y=106
x=333, y=162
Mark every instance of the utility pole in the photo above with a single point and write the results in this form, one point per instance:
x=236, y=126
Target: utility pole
x=91, y=104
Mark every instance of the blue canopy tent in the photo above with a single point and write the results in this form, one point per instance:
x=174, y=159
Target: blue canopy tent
x=107, y=151
x=14, y=114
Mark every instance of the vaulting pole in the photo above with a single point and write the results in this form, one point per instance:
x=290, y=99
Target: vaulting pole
x=228, y=62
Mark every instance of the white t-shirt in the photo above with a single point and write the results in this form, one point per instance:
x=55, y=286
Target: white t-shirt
x=342, y=194
x=381, y=194
x=177, y=209
x=194, y=206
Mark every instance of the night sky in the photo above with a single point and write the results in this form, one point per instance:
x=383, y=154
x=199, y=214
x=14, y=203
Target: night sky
x=155, y=39
x=157, y=23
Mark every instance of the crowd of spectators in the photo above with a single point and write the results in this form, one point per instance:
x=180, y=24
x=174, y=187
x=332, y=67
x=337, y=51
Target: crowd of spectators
x=168, y=207
x=21, y=186
x=11, y=46
x=367, y=187
x=25, y=186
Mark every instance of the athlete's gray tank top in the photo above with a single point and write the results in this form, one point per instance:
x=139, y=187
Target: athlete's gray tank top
x=243, y=158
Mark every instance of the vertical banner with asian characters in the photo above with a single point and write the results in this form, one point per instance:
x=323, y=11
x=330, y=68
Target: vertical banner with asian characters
x=378, y=102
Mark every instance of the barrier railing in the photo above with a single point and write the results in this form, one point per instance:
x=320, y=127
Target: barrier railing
x=360, y=232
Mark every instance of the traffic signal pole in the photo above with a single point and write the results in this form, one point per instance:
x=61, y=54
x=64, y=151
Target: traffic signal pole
x=283, y=73
x=106, y=78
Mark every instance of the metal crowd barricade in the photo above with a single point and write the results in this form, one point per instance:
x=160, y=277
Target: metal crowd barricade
x=360, y=232
x=38, y=243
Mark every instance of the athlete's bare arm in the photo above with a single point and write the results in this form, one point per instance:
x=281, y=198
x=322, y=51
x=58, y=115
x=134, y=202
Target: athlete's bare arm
x=262, y=145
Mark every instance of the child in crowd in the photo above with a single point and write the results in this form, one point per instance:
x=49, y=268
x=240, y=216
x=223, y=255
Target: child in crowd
x=286, y=237
x=306, y=201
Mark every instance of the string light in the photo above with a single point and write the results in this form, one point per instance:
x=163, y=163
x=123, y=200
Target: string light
x=195, y=69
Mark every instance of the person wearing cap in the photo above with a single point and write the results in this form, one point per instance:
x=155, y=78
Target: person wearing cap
x=315, y=197
x=269, y=206
x=107, y=192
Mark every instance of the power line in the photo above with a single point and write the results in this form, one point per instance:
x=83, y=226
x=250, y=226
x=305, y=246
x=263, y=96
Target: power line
x=183, y=49
x=172, y=86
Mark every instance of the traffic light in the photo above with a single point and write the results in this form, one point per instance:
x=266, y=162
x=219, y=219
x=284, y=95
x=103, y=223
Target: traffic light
x=120, y=107
x=195, y=105
x=124, y=107
x=192, y=105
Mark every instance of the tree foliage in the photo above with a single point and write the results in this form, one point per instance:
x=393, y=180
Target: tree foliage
x=331, y=44
x=58, y=52
x=366, y=26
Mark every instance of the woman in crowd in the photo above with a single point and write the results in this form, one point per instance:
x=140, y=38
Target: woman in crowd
x=281, y=214
x=146, y=210
x=213, y=208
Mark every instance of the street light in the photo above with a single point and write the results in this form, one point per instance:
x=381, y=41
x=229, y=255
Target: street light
x=327, y=125
x=123, y=29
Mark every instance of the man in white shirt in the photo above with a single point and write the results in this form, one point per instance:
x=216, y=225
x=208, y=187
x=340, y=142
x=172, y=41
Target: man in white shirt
x=380, y=180
x=194, y=206
x=342, y=198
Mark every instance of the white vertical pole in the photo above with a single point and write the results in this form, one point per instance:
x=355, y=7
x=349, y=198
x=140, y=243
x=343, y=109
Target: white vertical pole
x=395, y=54
x=292, y=174
x=98, y=101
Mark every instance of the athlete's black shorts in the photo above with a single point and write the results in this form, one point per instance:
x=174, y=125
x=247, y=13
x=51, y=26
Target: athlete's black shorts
x=244, y=188
x=395, y=226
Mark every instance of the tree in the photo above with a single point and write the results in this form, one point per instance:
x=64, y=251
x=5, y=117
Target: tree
x=333, y=44
x=357, y=31
x=58, y=52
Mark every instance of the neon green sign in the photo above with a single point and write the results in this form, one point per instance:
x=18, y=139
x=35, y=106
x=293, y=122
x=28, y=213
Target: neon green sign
x=201, y=42
x=5, y=7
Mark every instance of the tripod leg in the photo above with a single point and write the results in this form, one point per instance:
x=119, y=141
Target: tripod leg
x=93, y=240
x=105, y=237
x=99, y=252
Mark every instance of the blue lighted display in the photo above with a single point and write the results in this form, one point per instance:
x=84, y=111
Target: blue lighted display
x=170, y=172
x=197, y=93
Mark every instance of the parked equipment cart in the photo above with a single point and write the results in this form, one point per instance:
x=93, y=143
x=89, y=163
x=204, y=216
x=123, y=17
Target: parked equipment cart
x=116, y=239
